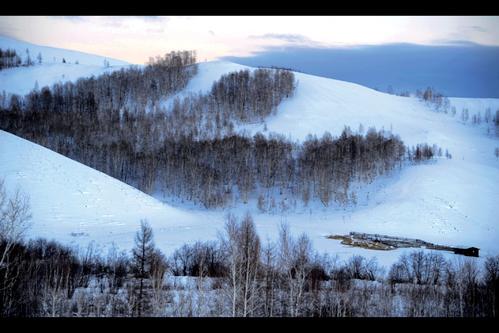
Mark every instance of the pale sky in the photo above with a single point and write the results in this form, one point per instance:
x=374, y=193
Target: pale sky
x=135, y=39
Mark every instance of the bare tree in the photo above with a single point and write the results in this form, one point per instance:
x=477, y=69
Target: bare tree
x=467, y=285
x=143, y=254
x=492, y=283
x=295, y=262
x=15, y=219
x=242, y=247
x=159, y=268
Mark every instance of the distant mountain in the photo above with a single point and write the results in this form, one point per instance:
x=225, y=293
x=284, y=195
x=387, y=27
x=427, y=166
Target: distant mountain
x=460, y=70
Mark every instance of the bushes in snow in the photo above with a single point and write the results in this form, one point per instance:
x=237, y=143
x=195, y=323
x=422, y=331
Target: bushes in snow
x=424, y=152
x=239, y=276
x=200, y=259
x=419, y=268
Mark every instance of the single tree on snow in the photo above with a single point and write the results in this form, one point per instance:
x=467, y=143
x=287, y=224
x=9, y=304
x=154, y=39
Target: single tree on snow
x=143, y=255
x=28, y=61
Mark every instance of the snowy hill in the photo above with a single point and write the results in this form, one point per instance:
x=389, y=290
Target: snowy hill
x=49, y=53
x=21, y=80
x=76, y=204
x=450, y=202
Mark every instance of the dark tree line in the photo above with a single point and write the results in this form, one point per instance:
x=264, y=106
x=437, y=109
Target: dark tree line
x=235, y=168
x=251, y=96
x=134, y=89
x=424, y=152
x=239, y=276
x=328, y=166
x=9, y=58
x=212, y=171
x=236, y=98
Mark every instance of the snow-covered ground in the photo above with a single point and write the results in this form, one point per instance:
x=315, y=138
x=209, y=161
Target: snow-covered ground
x=77, y=204
x=208, y=72
x=450, y=202
x=475, y=105
x=21, y=80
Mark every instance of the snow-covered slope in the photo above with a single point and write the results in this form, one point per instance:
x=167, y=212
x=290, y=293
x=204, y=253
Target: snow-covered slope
x=450, y=202
x=208, y=72
x=21, y=80
x=475, y=105
x=76, y=204
x=49, y=53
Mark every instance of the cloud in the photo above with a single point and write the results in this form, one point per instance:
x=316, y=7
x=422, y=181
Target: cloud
x=8, y=31
x=113, y=21
x=72, y=18
x=155, y=30
x=478, y=28
x=154, y=18
x=460, y=69
x=290, y=39
x=453, y=42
